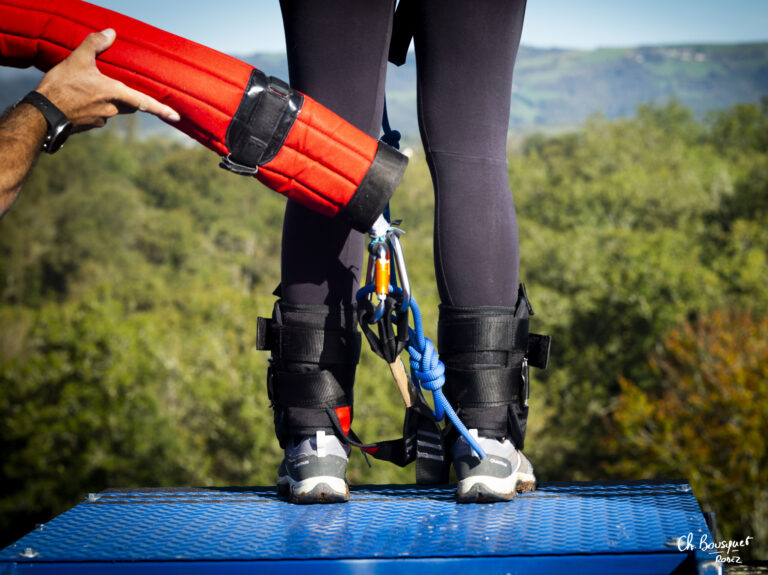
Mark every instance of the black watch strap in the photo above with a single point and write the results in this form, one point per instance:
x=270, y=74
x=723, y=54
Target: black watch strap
x=59, y=127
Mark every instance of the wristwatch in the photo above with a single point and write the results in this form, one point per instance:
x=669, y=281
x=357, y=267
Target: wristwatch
x=59, y=127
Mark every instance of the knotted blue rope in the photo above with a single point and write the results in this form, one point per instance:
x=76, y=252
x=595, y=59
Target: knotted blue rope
x=427, y=371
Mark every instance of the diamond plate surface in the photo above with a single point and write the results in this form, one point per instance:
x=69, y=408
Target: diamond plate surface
x=225, y=524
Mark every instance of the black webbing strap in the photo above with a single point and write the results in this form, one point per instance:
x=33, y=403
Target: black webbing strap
x=483, y=387
x=421, y=442
x=403, y=27
x=264, y=334
x=482, y=333
x=263, y=119
x=302, y=421
x=317, y=389
x=432, y=466
x=307, y=344
x=498, y=385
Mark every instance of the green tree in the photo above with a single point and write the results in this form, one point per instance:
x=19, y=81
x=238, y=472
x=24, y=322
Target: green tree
x=706, y=419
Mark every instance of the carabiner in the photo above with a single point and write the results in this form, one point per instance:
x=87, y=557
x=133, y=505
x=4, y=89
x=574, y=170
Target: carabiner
x=393, y=238
x=384, y=244
x=378, y=275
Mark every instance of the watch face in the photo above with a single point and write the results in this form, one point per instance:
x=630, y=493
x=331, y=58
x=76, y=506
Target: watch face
x=58, y=136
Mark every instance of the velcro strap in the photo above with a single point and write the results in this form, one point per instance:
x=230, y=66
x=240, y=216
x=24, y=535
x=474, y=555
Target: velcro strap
x=483, y=333
x=484, y=387
x=492, y=421
x=538, y=350
x=300, y=421
x=308, y=345
x=258, y=129
x=318, y=390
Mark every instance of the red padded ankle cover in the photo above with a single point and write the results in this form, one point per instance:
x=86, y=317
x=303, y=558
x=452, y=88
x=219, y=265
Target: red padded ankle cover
x=324, y=160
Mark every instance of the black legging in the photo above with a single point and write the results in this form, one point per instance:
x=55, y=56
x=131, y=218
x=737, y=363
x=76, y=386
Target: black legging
x=465, y=51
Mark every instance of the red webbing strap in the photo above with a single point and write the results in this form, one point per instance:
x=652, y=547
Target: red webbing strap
x=324, y=160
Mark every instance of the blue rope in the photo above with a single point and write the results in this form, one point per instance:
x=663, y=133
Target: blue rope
x=427, y=371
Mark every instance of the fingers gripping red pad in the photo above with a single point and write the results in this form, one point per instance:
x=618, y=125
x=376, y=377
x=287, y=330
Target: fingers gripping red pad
x=324, y=162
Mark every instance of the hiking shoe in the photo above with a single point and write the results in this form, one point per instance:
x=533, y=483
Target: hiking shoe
x=503, y=473
x=313, y=470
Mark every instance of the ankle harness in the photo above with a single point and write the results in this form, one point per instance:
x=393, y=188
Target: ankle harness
x=315, y=351
x=487, y=353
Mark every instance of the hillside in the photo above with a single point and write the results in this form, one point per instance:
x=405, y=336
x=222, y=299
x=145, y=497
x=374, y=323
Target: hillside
x=555, y=89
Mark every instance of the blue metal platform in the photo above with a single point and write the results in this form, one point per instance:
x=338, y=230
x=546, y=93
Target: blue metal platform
x=593, y=527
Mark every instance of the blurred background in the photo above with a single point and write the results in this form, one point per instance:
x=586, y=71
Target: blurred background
x=132, y=270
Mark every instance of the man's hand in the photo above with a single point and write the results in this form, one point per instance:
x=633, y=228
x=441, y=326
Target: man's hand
x=86, y=96
x=83, y=94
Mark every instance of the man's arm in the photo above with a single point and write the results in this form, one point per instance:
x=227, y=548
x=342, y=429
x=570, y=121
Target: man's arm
x=83, y=94
x=22, y=131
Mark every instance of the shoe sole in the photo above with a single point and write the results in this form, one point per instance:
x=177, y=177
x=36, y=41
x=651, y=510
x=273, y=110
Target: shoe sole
x=487, y=489
x=321, y=489
x=526, y=483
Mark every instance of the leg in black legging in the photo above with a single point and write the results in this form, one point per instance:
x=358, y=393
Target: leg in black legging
x=337, y=52
x=465, y=54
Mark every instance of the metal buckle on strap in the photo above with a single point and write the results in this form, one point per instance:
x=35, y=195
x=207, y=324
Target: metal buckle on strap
x=526, y=382
x=229, y=164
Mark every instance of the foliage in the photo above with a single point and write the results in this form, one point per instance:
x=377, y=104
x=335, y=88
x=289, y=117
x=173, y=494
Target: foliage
x=704, y=420
x=629, y=230
x=131, y=277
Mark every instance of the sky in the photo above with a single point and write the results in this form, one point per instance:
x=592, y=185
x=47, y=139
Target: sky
x=248, y=26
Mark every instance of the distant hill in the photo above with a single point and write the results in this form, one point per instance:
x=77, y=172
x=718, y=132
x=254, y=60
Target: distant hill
x=564, y=87
x=556, y=89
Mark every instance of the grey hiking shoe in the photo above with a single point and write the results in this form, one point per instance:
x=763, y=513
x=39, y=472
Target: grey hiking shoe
x=503, y=473
x=313, y=470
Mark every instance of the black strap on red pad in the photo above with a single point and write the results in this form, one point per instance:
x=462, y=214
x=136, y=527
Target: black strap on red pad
x=259, y=127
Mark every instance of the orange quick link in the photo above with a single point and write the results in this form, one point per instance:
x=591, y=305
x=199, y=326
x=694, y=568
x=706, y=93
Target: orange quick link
x=382, y=276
